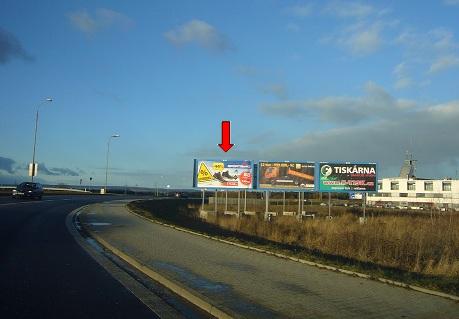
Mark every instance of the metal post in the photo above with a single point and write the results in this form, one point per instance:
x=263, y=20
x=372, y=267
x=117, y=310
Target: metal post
x=215, y=201
x=34, y=143
x=329, y=204
x=106, y=167
x=364, y=204
x=283, y=202
x=266, y=202
x=226, y=200
x=245, y=200
x=299, y=203
x=302, y=202
x=203, y=196
x=238, y=202
x=35, y=136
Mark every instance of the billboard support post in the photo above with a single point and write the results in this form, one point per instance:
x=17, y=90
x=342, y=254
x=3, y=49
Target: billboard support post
x=266, y=204
x=245, y=200
x=329, y=205
x=203, y=196
x=299, y=203
x=302, y=202
x=226, y=200
x=364, y=204
x=238, y=202
x=283, y=202
x=215, y=201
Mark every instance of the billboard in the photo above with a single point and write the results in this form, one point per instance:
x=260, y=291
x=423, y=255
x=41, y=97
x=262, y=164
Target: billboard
x=286, y=175
x=223, y=174
x=348, y=177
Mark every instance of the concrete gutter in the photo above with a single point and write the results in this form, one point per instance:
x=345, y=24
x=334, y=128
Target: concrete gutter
x=307, y=262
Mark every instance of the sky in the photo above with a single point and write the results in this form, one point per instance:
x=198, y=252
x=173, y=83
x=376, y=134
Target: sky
x=299, y=80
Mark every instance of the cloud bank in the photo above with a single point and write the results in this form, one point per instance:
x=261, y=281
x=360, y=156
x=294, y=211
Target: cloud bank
x=100, y=19
x=200, y=33
x=11, y=48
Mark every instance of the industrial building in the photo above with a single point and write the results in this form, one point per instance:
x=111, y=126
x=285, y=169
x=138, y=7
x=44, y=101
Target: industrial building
x=409, y=191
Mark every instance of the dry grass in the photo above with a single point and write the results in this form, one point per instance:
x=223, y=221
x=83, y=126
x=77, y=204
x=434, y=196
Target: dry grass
x=410, y=243
x=418, y=249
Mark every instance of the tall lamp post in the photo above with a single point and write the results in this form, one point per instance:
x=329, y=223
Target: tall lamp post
x=106, y=168
x=33, y=172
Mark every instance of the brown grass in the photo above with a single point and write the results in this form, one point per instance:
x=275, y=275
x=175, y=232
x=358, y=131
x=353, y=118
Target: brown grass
x=419, y=249
x=410, y=243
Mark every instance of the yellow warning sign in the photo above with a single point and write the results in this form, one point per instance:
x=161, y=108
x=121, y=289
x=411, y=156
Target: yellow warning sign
x=204, y=174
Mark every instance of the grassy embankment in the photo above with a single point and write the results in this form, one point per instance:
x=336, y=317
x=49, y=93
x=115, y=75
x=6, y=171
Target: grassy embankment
x=417, y=249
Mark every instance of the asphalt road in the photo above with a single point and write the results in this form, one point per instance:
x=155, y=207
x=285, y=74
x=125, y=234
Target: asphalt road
x=44, y=273
x=253, y=284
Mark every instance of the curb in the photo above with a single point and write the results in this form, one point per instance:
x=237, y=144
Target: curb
x=304, y=261
x=177, y=289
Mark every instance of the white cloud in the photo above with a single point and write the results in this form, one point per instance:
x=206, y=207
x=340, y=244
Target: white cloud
x=403, y=80
x=435, y=50
x=198, y=32
x=376, y=104
x=424, y=45
x=364, y=41
x=349, y=9
x=359, y=39
x=444, y=63
x=278, y=90
x=101, y=19
x=304, y=10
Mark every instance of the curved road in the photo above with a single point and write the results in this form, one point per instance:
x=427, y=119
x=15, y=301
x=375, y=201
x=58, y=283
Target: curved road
x=44, y=273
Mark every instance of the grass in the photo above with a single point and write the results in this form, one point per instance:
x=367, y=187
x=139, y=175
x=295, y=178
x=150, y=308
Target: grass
x=416, y=249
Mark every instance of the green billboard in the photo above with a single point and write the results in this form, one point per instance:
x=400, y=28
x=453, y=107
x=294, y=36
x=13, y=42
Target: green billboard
x=348, y=177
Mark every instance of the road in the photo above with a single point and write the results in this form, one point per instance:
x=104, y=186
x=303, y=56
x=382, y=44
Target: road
x=44, y=273
x=251, y=284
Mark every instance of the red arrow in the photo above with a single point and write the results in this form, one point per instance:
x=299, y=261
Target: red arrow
x=226, y=136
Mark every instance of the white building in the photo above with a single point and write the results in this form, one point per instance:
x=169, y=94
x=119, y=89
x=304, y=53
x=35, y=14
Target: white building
x=409, y=191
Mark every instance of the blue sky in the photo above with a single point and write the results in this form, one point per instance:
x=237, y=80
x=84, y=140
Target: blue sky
x=299, y=80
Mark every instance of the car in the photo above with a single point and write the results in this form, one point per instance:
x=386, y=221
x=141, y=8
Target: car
x=28, y=189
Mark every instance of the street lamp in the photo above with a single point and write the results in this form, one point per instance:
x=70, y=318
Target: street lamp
x=108, y=151
x=35, y=136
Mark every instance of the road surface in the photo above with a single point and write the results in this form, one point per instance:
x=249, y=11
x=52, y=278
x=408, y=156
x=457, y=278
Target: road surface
x=44, y=273
x=252, y=284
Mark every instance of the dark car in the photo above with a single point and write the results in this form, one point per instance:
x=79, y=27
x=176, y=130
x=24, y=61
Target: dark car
x=28, y=189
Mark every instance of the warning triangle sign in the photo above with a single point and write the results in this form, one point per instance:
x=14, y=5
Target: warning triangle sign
x=204, y=174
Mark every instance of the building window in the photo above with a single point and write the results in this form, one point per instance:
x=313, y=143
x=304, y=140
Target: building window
x=428, y=186
x=420, y=195
x=394, y=186
x=403, y=194
x=446, y=186
x=380, y=186
x=411, y=186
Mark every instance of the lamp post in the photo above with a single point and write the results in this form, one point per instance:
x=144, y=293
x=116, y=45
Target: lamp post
x=35, y=136
x=106, y=167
